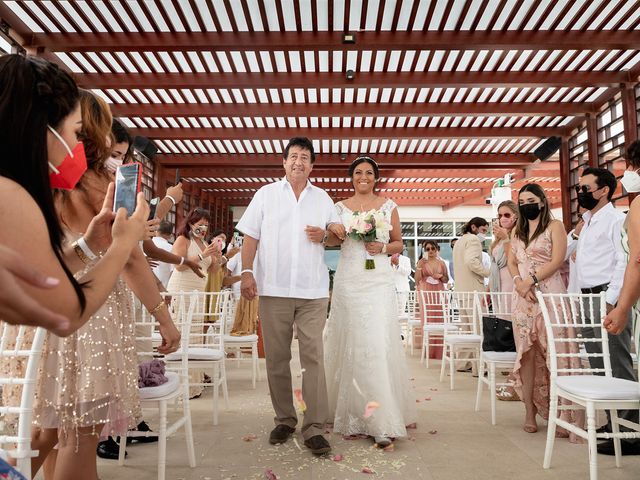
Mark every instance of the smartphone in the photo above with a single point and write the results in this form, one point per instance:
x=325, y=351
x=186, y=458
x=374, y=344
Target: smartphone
x=177, y=176
x=128, y=181
x=237, y=240
x=153, y=204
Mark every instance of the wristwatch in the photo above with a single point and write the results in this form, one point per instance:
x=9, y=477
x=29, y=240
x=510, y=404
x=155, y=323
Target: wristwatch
x=574, y=236
x=326, y=237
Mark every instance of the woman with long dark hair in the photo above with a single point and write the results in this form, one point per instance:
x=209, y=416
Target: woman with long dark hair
x=538, y=248
x=362, y=347
x=431, y=276
x=190, y=242
x=40, y=120
x=88, y=387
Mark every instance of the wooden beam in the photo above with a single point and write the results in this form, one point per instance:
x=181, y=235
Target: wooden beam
x=223, y=186
x=334, y=160
x=362, y=79
x=332, y=41
x=349, y=109
x=592, y=141
x=331, y=133
x=565, y=186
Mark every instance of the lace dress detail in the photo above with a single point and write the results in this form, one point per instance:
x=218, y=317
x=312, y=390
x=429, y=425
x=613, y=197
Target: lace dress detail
x=364, y=360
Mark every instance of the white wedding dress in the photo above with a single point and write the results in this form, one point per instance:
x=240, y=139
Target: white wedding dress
x=363, y=355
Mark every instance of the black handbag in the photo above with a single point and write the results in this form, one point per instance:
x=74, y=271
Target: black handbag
x=498, y=335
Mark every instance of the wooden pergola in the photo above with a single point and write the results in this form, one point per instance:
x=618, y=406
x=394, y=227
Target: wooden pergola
x=447, y=95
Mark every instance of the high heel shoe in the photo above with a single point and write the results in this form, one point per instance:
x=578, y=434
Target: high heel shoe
x=531, y=427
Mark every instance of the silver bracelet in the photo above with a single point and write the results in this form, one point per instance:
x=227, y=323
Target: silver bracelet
x=171, y=198
x=181, y=261
x=246, y=270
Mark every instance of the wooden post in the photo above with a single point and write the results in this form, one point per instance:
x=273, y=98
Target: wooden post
x=630, y=121
x=565, y=184
x=592, y=140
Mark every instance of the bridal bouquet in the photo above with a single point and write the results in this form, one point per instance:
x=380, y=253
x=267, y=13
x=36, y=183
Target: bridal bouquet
x=368, y=227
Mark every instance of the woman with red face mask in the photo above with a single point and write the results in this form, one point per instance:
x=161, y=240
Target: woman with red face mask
x=40, y=120
x=88, y=386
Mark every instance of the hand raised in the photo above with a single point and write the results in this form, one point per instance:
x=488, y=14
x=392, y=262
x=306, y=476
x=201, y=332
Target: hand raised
x=129, y=231
x=98, y=234
x=175, y=192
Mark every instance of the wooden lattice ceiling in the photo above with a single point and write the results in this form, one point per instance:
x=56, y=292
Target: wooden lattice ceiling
x=447, y=95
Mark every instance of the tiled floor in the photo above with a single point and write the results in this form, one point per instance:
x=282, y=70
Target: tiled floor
x=451, y=442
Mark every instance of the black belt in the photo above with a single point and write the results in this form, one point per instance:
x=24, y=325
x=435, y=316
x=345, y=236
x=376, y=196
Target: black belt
x=597, y=289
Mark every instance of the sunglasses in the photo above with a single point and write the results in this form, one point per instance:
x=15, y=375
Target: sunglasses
x=505, y=215
x=430, y=249
x=585, y=189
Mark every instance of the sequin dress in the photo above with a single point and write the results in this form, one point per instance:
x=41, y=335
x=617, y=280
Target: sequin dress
x=91, y=377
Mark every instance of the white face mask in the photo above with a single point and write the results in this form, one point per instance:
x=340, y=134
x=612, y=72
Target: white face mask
x=481, y=236
x=631, y=181
x=64, y=144
x=112, y=164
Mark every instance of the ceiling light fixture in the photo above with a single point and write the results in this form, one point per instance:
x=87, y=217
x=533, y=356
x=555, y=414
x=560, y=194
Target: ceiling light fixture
x=349, y=38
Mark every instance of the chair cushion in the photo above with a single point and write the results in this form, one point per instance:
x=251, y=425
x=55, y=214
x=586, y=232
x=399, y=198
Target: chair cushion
x=173, y=384
x=463, y=339
x=439, y=327
x=196, y=353
x=499, y=356
x=599, y=387
x=241, y=339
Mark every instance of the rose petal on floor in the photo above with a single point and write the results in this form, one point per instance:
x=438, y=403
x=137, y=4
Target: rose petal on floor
x=249, y=438
x=433, y=432
x=367, y=470
x=370, y=408
x=269, y=475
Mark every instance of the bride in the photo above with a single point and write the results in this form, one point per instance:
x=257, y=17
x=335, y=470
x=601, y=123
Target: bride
x=367, y=382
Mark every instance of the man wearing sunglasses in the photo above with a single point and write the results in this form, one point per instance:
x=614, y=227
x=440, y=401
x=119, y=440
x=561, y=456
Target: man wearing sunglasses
x=599, y=266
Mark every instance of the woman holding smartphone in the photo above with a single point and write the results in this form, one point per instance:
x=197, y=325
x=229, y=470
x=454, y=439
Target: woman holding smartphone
x=40, y=121
x=88, y=386
x=191, y=243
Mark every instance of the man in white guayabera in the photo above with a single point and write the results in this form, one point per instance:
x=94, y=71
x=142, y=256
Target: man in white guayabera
x=287, y=224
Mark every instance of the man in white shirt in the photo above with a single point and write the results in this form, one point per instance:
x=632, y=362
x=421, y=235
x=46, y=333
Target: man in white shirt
x=287, y=224
x=163, y=270
x=599, y=266
x=401, y=266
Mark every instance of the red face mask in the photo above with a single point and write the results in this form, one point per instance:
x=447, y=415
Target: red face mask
x=70, y=171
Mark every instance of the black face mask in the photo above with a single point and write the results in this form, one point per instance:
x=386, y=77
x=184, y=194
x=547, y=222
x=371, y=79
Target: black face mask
x=530, y=211
x=586, y=200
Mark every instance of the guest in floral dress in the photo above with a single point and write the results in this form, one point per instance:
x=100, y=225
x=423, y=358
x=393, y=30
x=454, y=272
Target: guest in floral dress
x=431, y=276
x=538, y=249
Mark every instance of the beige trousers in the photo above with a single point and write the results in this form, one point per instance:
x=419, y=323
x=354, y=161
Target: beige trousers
x=277, y=317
